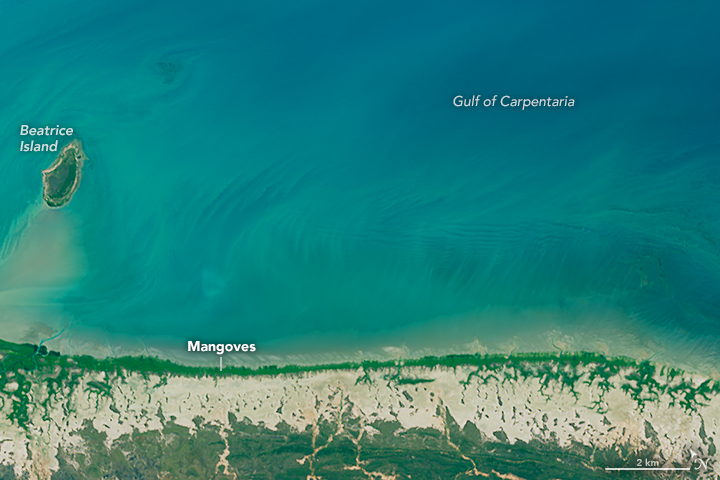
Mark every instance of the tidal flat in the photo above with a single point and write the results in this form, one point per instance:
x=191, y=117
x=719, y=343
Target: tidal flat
x=534, y=416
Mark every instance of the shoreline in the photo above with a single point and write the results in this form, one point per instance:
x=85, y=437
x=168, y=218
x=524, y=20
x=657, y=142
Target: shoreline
x=584, y=406
x=31, y=357
x=343, y=347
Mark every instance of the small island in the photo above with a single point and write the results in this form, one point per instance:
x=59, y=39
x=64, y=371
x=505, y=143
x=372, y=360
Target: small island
x=62, y=179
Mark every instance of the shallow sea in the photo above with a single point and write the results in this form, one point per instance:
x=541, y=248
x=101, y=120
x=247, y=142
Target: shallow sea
x=294, y=175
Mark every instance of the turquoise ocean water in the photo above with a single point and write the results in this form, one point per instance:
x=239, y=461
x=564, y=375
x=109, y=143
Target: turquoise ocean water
x=294, y=174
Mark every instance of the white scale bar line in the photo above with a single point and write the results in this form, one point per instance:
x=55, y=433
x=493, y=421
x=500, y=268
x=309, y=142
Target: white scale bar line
x=221, y=364
x=648, y=468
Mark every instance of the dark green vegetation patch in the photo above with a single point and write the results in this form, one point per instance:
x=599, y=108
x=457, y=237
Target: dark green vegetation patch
x=330, y=452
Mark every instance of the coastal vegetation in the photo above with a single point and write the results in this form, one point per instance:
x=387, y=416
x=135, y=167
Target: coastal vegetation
x=37, y=383
x=21, y=365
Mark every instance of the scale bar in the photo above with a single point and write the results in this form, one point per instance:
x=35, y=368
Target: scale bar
x=221, y=364
x=648, y=468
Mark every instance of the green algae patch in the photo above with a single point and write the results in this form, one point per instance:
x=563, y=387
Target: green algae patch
x=62, y=179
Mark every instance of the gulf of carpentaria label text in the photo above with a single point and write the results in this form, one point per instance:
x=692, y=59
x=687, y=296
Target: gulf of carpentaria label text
x=511, y=102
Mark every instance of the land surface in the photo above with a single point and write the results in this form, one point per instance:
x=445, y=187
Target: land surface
x=537, y=416
x=62, y=179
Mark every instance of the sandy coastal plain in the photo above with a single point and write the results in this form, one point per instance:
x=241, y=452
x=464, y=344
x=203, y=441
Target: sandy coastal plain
x=657, y=415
